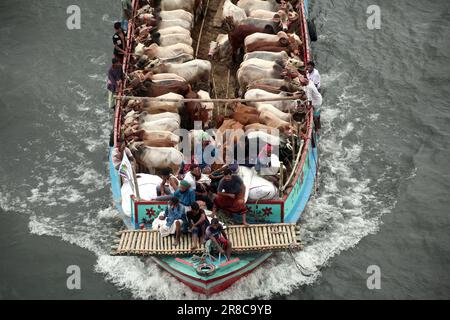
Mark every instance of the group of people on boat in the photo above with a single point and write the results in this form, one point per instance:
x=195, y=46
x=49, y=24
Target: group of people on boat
x=197, y=188
x=175, y=220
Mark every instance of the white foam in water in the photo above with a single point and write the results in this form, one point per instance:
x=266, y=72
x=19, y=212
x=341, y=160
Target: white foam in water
x=335, y=219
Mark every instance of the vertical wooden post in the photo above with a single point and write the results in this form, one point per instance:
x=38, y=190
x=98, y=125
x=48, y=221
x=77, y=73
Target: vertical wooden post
x=280, y=187
x=138, y=197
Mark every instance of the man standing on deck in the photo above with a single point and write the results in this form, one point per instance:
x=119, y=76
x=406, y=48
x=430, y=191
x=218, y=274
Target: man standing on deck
x=115, y=75
x=119, y=41
x=315, y=98
x=313, y=74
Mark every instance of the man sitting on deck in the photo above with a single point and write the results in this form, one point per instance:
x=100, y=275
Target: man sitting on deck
x=216, y=235
x=185, y=194
x=230, y=195
x=176, y=218
x=200, y=189
x=198, y=222
x=168, y=186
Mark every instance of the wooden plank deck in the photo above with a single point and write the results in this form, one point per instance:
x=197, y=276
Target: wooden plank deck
x=245, y=239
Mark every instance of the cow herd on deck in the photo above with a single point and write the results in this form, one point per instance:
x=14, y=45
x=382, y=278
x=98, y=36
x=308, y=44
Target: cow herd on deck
x=163, y=64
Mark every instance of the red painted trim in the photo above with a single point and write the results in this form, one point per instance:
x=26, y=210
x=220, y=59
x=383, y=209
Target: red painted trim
x=152, y=202
x=184, y=262
x=228, y=262
x=125, y=67
x=220, y=287
x=304, y=153
x=265, y=202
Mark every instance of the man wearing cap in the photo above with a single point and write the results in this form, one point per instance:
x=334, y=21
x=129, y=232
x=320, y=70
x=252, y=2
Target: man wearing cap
x=175, y=215
x=230, y=194
x=185, y=194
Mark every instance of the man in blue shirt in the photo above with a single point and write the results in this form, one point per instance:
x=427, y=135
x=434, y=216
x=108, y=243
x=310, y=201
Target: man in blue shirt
x=185, y=194
x=175, y=218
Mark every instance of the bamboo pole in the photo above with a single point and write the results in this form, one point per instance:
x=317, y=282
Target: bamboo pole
x=207, y=100
x=280, y=184
x=138, y=196
x=228, y=86
x=201, y=30
x=293, y=171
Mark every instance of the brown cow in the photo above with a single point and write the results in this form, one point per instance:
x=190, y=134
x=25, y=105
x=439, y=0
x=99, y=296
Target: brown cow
x=149, y=88
x=156, y=138
x=242, y=108
x=194, y=111
x=245, y=118
x=238, y=33
x=273, y=121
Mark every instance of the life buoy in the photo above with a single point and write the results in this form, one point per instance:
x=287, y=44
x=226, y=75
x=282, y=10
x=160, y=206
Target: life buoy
x=205, y=269
x=312, y=30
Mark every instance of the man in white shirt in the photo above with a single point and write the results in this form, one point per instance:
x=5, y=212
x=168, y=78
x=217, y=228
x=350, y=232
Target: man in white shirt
x=314, y=97
x=200, y=189
x=313, y=74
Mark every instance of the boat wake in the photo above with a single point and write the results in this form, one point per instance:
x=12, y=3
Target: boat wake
x=68, y=195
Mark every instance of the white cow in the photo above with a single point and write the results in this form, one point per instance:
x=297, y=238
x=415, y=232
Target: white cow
x=252, y=5
x=231, y=10
x=177, y=14
x=193, y=71
x=174, y=30
x=187, y=5
x=207, y=105
x=146, y=117
x=155, y=51
x=284, y=105
x=171, y=39
x=157, y=157
x=160, y=125
x=267, y=55
x=265, y=106
x=154, y=107
x=174, y=23
x=258, y=37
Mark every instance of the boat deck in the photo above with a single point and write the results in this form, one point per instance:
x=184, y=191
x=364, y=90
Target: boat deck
x=244, y=239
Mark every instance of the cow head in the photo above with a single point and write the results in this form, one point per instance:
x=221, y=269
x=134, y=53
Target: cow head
x=220, y=48
x=154, y=63
x=136, y=147
x=213, y=49
x=296, y=63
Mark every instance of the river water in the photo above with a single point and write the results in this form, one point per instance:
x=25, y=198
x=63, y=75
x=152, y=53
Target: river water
x=384, y=179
